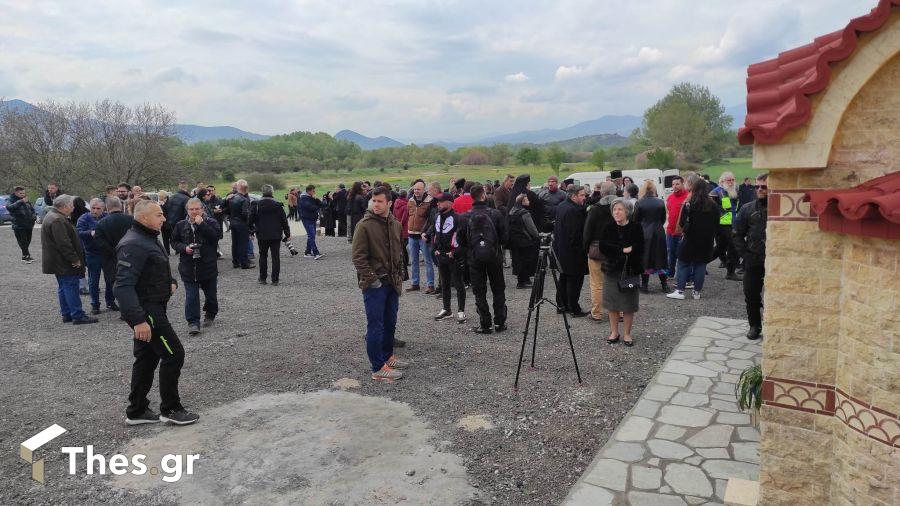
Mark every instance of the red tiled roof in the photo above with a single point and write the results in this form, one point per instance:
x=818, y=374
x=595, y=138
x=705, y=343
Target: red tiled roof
x=871, y=209
x=778, y=90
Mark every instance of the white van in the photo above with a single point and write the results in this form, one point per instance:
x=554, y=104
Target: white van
x=663, y=179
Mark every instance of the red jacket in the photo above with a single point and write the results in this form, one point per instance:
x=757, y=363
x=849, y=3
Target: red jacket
x=401, y=212
x=674, y=202
x=463, y=203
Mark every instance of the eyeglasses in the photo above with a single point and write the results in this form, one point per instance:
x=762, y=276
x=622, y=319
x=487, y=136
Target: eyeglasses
x=761, y=187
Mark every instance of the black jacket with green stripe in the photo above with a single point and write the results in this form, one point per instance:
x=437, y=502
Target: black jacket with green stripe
x=143, y=275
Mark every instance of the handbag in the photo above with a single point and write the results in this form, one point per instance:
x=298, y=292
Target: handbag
x=627, y=283
x=594, y=251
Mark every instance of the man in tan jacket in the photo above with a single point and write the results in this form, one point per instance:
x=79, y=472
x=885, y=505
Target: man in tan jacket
x=378, y=257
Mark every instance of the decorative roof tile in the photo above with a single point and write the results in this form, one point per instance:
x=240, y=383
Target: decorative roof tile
x=871, y=209
x=778, y=90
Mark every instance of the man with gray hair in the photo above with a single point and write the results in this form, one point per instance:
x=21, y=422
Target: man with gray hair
x=87, y=230
x=568, y=234
x=110, y=230
x=63, y=256
x=726, y=196
x=196, y=239
x=239, y=217
x=144, y=284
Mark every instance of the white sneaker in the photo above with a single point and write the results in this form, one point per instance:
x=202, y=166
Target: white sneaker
x=318, y=256
x=677, y=294
x=443, y=315
x=308, y=255
x=689, y=284
x=696, y=295
x=461, y=317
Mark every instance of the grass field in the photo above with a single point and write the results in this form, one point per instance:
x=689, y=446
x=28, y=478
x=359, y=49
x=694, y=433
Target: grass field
x=328, y=180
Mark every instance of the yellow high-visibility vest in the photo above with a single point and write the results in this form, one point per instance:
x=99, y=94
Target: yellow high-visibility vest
x=726, y=205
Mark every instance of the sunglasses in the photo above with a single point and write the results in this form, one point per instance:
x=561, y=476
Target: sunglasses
x=761, y=187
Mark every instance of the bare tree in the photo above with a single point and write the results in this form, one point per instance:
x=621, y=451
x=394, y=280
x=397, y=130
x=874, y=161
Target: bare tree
x=42, y=140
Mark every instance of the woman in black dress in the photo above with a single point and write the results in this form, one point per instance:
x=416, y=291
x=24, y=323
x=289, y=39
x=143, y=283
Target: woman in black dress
x=650, y=214
x=622, y=246
x=327, y=211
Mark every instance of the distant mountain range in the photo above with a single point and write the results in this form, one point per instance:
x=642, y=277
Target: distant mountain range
x=367, y=143
x=191, y=134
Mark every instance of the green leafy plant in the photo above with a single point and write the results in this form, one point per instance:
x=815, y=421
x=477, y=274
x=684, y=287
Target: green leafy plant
x=748, y=389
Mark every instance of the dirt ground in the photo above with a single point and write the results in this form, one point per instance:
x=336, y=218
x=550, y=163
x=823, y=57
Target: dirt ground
x=476, y=438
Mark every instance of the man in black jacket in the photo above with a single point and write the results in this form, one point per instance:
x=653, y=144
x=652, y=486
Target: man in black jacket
x=144, y=284
x=196, y=239
x=23, y=218
x=340, y=210
x=309, y=213
x=239, y=218
x=750, y=243
x=449, y=255
x=110, y=230
x=174, y=209
x=268, y=221
x=483, y=231
x=568, y=236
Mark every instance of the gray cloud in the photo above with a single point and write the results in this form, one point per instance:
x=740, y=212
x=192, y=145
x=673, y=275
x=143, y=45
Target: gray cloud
x=175, y=75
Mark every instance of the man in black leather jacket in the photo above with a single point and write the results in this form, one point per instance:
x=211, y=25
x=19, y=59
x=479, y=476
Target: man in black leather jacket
x=750, y=243
x=239, y=217
x=144, y=284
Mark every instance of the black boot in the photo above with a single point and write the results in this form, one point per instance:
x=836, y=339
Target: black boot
x=664, y=282
x=645, y=280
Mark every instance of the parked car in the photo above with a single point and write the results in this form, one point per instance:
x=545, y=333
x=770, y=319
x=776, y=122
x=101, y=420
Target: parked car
x=39, y=209
x=5, y=217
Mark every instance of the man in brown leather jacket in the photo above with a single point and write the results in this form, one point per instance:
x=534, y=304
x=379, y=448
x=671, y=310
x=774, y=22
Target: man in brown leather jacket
x=419, y=208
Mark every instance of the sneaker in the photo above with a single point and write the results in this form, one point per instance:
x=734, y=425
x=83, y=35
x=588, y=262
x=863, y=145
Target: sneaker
x=29, y=260
x=413, y=288
x=399, y=343
x=443, y=315
x=318, y=256
x=461, y=317
x=208, y=322
x=148, y=416
x=387, y=374
x=112, y=307
x=308, y=255
x=179, y=417
x=689, y=284
x=262, y=282
x=695, y=295
x=500, y=328
x=677, y=294
x=95, y=310
x=482, y=330
x=396, y=362
x=193, y=329
x=84, y=321
x=754, y=333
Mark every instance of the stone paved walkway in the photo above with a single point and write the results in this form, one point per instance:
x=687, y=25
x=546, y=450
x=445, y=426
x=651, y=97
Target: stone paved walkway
x=685, y=436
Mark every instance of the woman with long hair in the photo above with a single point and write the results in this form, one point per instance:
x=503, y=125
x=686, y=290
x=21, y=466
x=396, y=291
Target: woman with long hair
x=357, y=206
x=650, y=214
x=698, y=222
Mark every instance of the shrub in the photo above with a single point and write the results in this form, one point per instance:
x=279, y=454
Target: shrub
x=474, y=157
x=256, y=181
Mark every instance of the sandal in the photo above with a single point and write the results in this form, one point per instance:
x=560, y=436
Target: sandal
x=629, y=342
x=612, y=341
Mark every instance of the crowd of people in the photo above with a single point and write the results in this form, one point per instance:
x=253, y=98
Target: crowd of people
x=464, y=235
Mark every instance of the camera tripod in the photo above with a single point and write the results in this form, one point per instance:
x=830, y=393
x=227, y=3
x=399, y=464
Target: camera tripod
x=535, y=302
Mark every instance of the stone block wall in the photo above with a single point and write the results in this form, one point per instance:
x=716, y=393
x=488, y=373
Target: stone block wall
x=831, y=432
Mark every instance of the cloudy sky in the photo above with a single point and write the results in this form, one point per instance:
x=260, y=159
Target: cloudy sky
x=407, y=69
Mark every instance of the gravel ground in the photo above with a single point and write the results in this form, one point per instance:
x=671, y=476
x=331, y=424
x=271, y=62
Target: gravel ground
x=307, y=333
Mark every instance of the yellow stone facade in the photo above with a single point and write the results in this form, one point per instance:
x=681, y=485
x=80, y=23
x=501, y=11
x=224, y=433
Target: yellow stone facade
x=832, y=314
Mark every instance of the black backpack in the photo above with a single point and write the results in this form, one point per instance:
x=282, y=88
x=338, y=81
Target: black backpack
x=483, y=241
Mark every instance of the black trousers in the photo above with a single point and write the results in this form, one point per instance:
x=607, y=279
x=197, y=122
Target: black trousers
x=341, y=224
x=109, y=270
x=23, y=237
x=165, y=350
x=754, y=280
x=482, y=274
x=569, y=291
x=524, y=262
x=240, y=237
x=354, y=219
x=167, y=236
x=273, y=245
x=725, y=248
x=451, y=277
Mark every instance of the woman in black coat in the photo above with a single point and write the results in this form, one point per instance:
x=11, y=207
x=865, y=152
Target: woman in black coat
x=650, y=214
x=622, y=246
x=524, y=241
x=327, y=211
x=698, y=221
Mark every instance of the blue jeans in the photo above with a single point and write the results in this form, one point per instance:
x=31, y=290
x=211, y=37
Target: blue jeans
x=415, y=245
x=688, y=271
x=672, y=242
x=381, y=317
x=310, y=227
x=192, y=299
x=94, y=264
x=69, y=298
